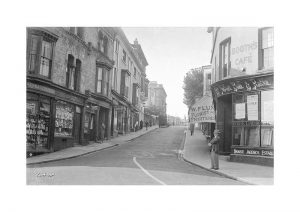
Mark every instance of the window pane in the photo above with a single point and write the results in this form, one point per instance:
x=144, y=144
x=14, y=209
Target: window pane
x=99, y=86
x=32, y=61
x=252, y=136
x=268, y=57
x=99, y=73
x=268, y=38
x=34, y=44
x=266, y=136
x=45, y=67
x=267, y=107
x=239, y=136
x=46, y=49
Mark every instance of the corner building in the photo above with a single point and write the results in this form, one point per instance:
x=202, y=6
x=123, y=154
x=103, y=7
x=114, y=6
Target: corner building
x=242, y=88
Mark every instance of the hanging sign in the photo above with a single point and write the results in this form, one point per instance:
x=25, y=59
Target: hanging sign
x=252, y=107
x=203, y=111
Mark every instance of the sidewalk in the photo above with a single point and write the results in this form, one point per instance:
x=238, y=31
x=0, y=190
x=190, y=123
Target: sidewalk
x=196, y=151
x=83, y=150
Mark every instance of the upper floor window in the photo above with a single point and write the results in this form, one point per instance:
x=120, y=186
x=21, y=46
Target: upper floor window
x=79, y=31
x=105, y=45
x=267, y=47
x=102, y=83
x=125, y=75
x=73, y=73
x=124, y=56
x=134, y=72
x=225, y=58
x=117, y=44
x=40, y=53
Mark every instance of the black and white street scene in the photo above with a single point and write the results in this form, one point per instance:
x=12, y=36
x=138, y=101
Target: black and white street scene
x=149, y=105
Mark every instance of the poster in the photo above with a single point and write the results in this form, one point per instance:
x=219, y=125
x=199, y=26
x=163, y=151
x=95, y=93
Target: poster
x=267, y=113
x=252, y=107
x=240, y=111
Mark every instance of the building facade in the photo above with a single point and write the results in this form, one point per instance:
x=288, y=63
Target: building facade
x=242, y=87
x=80, y=86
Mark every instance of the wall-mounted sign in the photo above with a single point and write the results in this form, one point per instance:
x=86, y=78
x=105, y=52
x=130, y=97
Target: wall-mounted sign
x=233, y=85
x=202, y=111
x=256, y=152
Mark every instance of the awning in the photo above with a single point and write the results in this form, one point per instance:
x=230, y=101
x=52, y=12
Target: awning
x=203, y=110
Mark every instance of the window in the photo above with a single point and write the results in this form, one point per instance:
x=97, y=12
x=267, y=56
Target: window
x=225, y=58
x=267, y=47
x=70, y=83
x=124, y=56
x=115, y=78
x=40, y=52
x=100, y=41
x=125, y=83
x=105, y=45
x=134, y=72
x=117, y=44
x=253, y=122
x=64, y=119
x=102, y=84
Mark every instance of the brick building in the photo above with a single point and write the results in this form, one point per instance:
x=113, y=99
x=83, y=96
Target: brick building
x=76, y=84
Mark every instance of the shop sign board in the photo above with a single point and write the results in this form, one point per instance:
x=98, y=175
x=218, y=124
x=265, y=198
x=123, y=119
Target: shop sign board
x=243, y=85
x=40, y=88
x=255, y=152
x=203, y=111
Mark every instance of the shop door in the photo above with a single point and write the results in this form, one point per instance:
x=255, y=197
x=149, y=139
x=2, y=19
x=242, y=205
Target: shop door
x=77, y=125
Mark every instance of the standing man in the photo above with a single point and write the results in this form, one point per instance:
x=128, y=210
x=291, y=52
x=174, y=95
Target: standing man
x=192, y=127
x=214, y=150
x=146, y=123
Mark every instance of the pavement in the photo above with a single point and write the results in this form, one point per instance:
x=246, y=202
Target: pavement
x=79, y=150
x=196, y=151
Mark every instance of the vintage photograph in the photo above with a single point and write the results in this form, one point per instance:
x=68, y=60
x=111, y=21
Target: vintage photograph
x=150, y=105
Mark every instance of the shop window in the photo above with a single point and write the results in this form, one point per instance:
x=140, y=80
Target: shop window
x=102, y=81
x=267, y=119
x=225, y=58
x=40, y=53
x=37, y=122
x=64, y=117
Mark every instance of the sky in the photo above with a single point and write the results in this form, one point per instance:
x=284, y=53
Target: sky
x=171, y=52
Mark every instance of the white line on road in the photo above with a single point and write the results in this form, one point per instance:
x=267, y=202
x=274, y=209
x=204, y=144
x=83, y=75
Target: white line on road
x=147, y=173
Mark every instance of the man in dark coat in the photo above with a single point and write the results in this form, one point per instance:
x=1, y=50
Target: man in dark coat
x=214, y=144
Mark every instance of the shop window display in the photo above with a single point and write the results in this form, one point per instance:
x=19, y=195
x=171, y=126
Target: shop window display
x=267, y=118
x=37, y=122
x=64, y=119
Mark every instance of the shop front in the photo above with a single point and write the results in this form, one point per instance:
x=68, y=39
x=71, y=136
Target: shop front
x=244, y=107
x=53, y=116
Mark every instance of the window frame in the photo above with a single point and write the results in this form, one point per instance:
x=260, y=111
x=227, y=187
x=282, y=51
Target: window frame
x=104, y=81
x=42, y=36
x=222, y=46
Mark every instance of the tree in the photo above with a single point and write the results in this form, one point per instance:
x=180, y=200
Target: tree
x=192, y=86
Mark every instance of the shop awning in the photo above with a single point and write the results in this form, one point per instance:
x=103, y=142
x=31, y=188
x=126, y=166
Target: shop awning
x=203, y=110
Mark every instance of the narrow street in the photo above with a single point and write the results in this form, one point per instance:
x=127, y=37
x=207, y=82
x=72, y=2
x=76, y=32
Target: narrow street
x=152, y=159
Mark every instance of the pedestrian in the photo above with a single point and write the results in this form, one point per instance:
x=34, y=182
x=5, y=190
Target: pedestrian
x=146, y=123
x=214, y=150
x=136, y=126
x=141, y=124
x=102, y=131
x=192, y=127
